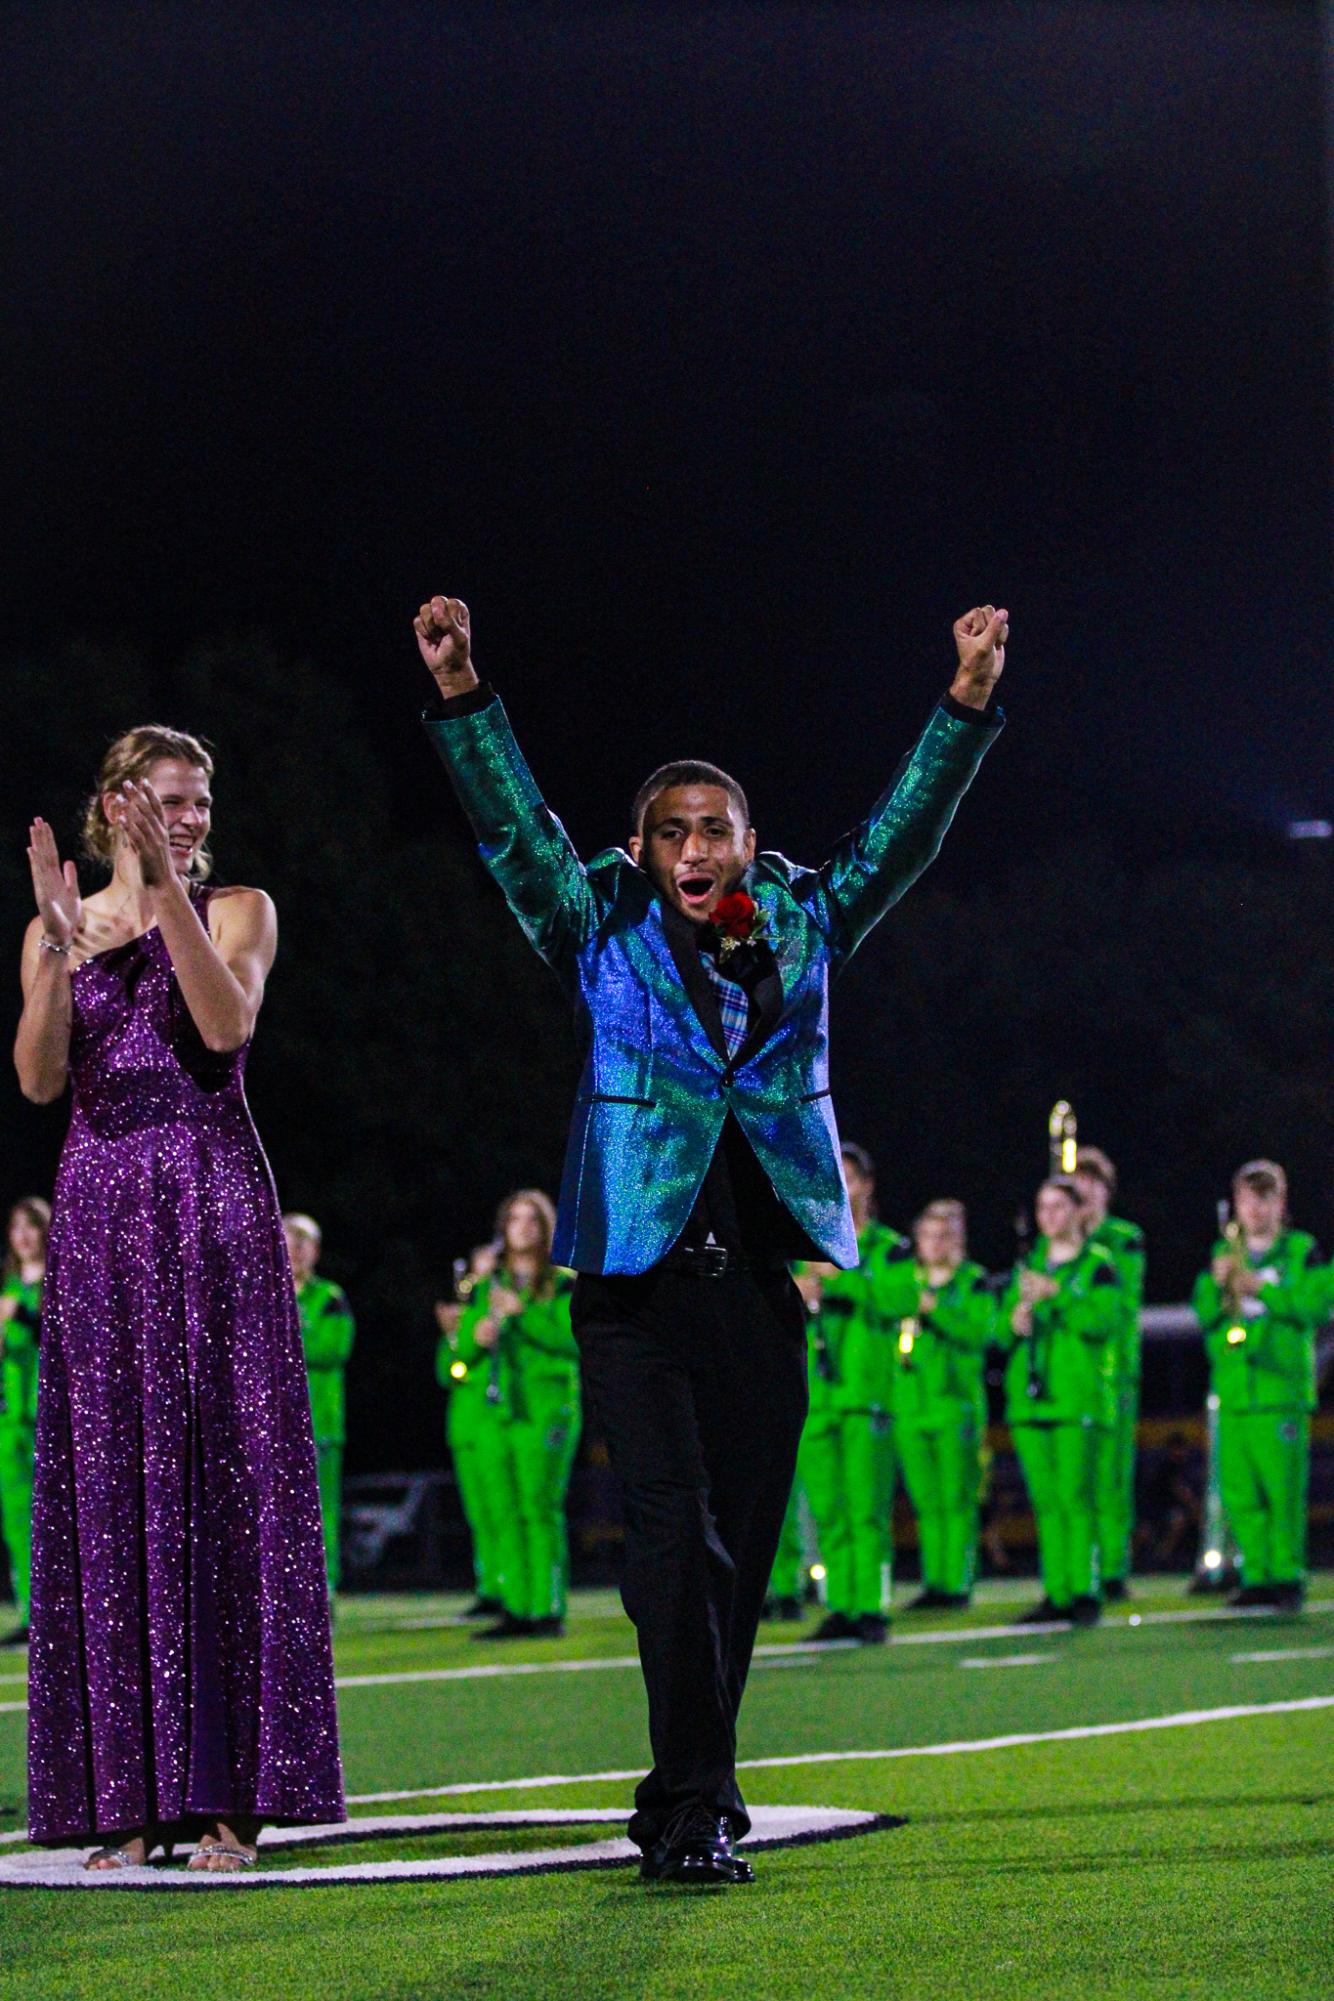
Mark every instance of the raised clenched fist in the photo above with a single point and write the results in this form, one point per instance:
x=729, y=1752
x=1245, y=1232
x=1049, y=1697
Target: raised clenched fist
x=444, y=639
x=980, y=637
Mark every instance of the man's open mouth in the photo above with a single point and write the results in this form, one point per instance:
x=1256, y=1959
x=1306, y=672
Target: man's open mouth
x=695, y=890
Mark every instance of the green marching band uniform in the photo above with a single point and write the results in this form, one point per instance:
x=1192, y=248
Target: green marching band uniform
x=1059, y=1401
x=1114, y=1473
x=535, y=1377
x=472, y=1433
x=1262, y=1368
x=18, y=1426
x=846, y=1462
x=940, y=1412
x=327, y=1333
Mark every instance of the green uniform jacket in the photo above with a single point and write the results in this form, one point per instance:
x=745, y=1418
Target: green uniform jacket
x=1273, y=1366
x=538, y=1359
x=851, y=1337
x=327, y=1333
x=18, y=1355
x=1125, y=1241
x=1077, y=1336
x=461, y=1367
x=938, y=1362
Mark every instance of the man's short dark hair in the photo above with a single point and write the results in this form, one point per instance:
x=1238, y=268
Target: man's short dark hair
x=686, y=771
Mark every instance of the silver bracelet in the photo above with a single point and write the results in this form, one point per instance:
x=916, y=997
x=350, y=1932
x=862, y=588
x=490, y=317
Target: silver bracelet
x=44, y=945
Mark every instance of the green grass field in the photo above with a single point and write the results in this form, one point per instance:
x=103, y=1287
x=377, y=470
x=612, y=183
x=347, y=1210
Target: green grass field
x=1192, y=1859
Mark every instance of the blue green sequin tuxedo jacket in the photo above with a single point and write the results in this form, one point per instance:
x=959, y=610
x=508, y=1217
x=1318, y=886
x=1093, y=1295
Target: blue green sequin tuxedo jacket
x=658, y=1083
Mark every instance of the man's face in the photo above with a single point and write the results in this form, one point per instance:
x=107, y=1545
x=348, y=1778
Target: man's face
x=694, y=847
x=1260, y=1213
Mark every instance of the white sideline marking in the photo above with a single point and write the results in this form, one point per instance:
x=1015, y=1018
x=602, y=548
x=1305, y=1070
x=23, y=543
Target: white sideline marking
x=1183, y=1719
x=945, y=1636
x=1288, y=1654
x=1008, y=1660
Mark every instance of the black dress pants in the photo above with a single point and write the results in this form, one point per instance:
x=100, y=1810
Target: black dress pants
x=699, y=1386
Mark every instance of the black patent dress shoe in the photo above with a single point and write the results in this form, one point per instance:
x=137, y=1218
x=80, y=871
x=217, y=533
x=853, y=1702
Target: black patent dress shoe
x=838, y=1626
x=1085, y=1611
x=483, y=1608
x=695, y=1851
x=550, y=1628
x=872, y=1629
x=1115, y=1591
x=926, y=1601
x=1252, y=1596
x=1287, y=1597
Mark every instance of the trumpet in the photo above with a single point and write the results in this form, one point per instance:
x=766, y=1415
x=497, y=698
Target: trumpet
x=1230, y=1229
x=1063, y=1138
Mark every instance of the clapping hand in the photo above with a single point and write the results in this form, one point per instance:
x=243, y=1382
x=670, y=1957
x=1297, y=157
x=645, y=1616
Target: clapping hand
x=144, y=825
x=1035, y=1286
x=444, y=639
x=56, y=889
x=980, y=637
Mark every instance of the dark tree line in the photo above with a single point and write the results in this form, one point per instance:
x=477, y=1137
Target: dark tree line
x=415, y=1059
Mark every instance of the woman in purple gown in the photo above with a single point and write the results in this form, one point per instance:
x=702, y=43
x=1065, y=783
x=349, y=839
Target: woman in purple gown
x=181, y=1676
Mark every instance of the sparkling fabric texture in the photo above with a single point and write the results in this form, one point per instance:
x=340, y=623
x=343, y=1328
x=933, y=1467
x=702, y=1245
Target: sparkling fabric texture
x=657, y=1083
x=181, y=1661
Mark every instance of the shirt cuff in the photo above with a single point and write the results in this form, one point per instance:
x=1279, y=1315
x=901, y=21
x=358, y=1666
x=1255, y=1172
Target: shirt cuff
x=989, y=718
x=438, y=710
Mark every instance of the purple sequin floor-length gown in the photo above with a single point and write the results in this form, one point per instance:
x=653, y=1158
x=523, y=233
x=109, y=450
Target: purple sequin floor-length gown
x=181, y=1661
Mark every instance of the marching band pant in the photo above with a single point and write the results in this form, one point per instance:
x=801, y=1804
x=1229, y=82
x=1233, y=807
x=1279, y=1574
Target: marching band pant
x=1058, y=1462
x=1263, y=1463
x=847, y=1471
x=942, y=1473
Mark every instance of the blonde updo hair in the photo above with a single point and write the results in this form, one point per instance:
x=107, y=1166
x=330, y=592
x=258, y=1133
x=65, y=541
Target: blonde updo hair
x=132, y=756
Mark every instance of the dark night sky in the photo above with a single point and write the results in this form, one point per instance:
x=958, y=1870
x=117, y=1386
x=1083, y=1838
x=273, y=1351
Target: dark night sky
x=719, y=355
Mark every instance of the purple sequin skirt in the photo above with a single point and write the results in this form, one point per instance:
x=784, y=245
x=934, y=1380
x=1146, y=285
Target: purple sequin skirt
x=181, y=1663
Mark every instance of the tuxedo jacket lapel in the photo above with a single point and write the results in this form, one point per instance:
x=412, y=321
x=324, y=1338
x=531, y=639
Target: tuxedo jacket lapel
x=680, y=936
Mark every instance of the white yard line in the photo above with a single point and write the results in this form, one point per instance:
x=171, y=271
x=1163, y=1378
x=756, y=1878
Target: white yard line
x=947, y=1636
x=1287, y=1654
x=1182, y=1720
x=1008, y=1660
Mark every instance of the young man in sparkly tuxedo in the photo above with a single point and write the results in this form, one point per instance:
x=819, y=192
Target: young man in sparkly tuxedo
x=703, y=1157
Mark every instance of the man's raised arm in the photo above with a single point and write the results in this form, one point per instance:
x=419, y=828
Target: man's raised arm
x=873, y=865
x=521, y=841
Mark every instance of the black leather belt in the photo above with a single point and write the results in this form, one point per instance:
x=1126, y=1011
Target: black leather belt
x=714, y=1261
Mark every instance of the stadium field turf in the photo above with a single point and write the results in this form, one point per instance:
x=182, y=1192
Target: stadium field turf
x=1146, y=1809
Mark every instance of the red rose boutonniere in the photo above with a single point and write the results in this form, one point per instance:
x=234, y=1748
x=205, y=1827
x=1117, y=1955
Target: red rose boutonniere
x=736, y=921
